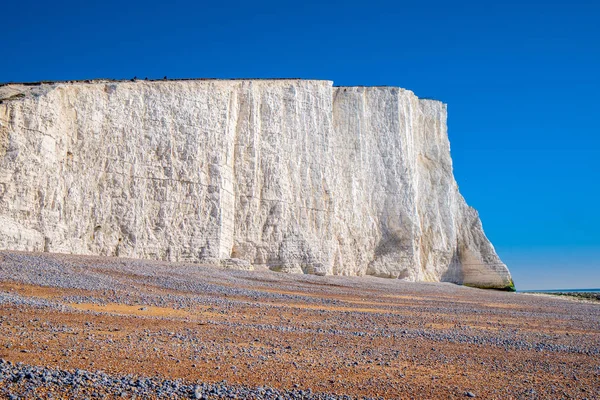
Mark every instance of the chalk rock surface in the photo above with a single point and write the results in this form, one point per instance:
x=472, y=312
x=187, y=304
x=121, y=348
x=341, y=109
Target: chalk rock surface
x=296, y=175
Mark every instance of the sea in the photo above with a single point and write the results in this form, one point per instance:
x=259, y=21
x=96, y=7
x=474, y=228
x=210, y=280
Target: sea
x=560, y=291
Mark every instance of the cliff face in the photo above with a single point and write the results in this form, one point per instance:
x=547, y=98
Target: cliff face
x=296, y=175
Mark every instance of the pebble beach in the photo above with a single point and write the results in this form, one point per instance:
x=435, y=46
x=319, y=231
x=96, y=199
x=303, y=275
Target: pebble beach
x=101, y=327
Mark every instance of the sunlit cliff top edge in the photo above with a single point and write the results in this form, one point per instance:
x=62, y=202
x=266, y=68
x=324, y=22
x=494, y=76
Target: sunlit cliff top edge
x=24, y=84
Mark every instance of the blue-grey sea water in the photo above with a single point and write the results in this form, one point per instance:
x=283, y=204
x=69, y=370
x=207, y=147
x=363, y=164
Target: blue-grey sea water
x=562, y=290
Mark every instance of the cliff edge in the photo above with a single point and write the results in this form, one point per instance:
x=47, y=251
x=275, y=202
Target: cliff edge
x=296, y=175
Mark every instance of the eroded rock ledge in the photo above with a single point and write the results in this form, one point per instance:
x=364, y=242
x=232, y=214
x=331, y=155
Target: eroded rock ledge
x=295, y=175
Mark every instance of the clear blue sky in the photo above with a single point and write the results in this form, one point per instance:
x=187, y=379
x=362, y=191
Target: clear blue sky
x=521, y=78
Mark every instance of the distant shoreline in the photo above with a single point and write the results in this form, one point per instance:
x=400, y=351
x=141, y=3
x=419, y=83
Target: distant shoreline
x=579, y=294
x=560, y=291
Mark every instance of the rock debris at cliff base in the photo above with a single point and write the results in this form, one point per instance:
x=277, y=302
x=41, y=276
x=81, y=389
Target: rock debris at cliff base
x=293, y=175
x=123, y=328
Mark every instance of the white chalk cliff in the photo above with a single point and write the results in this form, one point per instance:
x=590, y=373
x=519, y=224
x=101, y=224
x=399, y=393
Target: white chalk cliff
x=296, y=175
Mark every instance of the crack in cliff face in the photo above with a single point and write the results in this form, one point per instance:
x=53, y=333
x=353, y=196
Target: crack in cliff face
x=299, y=176
x=4, y=129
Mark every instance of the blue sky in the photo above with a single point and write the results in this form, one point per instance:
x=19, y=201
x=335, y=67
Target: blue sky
x=521, y=79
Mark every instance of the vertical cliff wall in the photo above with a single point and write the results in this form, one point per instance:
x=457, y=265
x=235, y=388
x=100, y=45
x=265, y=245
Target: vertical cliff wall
x=296, y=175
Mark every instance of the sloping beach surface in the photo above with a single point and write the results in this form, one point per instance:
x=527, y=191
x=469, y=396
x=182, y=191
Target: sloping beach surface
x=87, y=327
